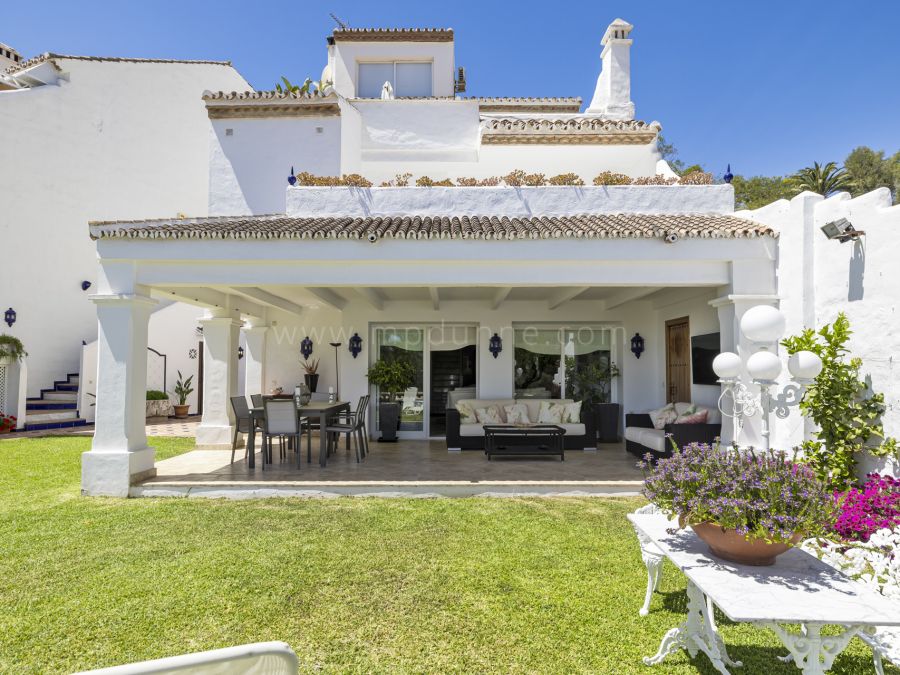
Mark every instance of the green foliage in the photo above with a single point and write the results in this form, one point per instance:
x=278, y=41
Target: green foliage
x=12, y=348
x=870, y=169
x=669, y=152
x=309, y=86
x=591, y=382
x=183, y=388
x=846, y=410
x=392, y=377
x=757, y=191
x=823, y=179
x=156, y=395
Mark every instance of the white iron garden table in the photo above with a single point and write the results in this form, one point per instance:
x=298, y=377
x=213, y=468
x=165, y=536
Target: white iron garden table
x=797, y=589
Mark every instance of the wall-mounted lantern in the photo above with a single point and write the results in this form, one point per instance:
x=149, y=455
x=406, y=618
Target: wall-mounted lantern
x=306, y=347
x=85, y=285
x=496, y=345
x=10, y=317
x=240, y=353
x=355, y=345
x=637, y=345
x=292, y=179
x=728, y=177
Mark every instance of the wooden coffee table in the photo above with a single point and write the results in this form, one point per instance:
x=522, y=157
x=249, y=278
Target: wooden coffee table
x=530, y=440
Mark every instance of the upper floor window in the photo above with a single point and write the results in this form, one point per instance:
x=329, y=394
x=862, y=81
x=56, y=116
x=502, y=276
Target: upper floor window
x=407, y=79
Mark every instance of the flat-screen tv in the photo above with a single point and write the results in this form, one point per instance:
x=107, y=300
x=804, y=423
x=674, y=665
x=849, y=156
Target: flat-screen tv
x=704, y=349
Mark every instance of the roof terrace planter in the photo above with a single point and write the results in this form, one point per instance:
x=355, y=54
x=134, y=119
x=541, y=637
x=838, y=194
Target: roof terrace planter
x=509, y=201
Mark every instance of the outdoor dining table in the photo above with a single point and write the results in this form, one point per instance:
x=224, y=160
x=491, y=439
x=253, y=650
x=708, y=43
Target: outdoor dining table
x=798, y=589
x=323, y=410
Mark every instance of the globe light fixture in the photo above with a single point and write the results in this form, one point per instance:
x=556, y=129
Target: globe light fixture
x=727, y=366
x=763, y=325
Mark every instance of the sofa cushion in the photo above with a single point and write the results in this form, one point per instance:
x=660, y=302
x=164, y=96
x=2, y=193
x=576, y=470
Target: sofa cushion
x=517, y=414
x=551, y=412
x=698, y=417
x=663, y=416
x=476, y=403
x=466, y=412
x=713, y=416
x=654, y=439
x=489, y=415
x=573, y=429
x=471, y=430
x=572, y=413
x=633, y=434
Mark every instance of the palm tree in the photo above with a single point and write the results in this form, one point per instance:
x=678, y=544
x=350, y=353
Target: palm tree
x=824, y=180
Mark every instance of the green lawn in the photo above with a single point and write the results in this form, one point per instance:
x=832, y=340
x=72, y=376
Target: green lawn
x=353, y=585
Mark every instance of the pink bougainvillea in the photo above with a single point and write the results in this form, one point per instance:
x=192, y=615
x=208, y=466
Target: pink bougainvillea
x=866, y=509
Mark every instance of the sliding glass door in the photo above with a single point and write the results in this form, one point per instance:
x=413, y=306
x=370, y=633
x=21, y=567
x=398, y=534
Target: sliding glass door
x=404, y=345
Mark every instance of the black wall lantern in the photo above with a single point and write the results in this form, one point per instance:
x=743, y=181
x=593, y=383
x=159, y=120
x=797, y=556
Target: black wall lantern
x=240, y=353
x=10, y=317
x=85, y=285
x=306, y=346
x=496, y=345
x=355, y=345
x=292, y=179
x=637, y=345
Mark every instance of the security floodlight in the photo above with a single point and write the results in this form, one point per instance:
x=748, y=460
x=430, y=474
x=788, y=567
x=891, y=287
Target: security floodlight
x=842, y=230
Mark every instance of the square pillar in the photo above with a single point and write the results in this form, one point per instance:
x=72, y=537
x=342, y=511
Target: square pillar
x=119, y=455
x=220, y=380
x=255, y=359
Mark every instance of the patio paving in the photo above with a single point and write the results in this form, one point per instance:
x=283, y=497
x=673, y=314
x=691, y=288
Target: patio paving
x=406, y=468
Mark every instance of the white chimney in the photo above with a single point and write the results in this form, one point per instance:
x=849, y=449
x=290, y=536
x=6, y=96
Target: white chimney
x=612, y=97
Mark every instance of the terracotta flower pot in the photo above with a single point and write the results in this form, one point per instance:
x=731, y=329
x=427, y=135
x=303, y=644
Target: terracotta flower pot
x=181, y=410
x=729, y=545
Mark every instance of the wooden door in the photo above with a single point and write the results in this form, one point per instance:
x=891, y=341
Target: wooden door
x=678, y=361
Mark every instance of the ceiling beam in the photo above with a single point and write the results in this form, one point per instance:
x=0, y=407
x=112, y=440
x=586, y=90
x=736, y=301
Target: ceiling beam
x=627, y=295
x=672, y=296
x=329, y=297
x=563, y=295
x=269, y=299
x=210, y=298
x=435, y=297
x=499, y=296
x=373, y=296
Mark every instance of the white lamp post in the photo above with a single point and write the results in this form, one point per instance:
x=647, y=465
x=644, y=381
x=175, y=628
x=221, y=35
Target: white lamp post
x=764, y=325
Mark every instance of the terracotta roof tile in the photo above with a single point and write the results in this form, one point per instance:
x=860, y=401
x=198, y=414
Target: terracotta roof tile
x=583, y=226
x=50, y=56
x=393, y=34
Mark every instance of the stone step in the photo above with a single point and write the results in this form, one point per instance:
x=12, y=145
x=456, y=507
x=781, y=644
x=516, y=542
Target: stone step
x=65, y=386
x=42, y=416
x=59, y=424
x=41, y=404
x=59, y=396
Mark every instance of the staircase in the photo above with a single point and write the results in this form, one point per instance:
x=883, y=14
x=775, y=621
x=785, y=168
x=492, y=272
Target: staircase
x=57, y=408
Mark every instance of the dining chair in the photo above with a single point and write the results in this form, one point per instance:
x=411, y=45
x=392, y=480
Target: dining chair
x=256, y=400
x=281, y=420
x=241, y=422
x=353, y=426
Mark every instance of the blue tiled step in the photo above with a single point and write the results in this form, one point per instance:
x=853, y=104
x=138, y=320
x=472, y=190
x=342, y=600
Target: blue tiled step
x=65, y=424
x=47, y=404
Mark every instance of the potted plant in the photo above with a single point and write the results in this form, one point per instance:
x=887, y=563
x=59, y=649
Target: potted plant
x=157, y=403
x=312, y=373
x=11, y=350
x=749, y=507
x=392, y=378
x=183, y=389
x=7, y=423
x=592, y=384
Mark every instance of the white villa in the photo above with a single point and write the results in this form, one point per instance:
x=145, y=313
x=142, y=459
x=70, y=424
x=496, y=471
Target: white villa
x=492, y=291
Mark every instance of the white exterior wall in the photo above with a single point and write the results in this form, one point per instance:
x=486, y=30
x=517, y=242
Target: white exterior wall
x=116, y=141
x=349, y=54
x=248, y=169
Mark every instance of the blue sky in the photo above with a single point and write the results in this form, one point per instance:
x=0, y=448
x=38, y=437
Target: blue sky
x=768, y=87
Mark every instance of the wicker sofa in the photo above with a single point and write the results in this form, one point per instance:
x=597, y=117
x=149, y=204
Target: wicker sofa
x=471, y=436
x=641, y=437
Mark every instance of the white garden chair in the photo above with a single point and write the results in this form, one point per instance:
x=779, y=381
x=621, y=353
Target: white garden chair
x=885, y=644
x=260, y=658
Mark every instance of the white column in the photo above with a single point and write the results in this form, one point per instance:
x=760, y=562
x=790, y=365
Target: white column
x=220, y=345
x=119, y=455
x=255, y=359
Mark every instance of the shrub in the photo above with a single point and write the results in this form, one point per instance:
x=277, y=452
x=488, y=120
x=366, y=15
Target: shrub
x=156, y=395
x=696, y=178
x=845, y=409
x=490, y=181
x=12, y=348
x=307, y=179
x=535, y=179
x=759, y=495
x=658, y=179
x=610, y=178
x=424, y=181
x=402, y=179
x=566, y=179
x=444, y=182
x=7, y=422
x=514, y=178
x=355, y=180
x=872, y=507
x=466, y=182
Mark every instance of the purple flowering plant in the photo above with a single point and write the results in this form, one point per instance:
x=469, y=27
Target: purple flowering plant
x=866, y=509
x=761, y=495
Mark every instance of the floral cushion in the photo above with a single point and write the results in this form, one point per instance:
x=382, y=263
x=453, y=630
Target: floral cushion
x=698, y=417
x=663, y=416
x=572, y=413
x=551, y=413
x=489, y=415
x=466, y=413
x=517, y=414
